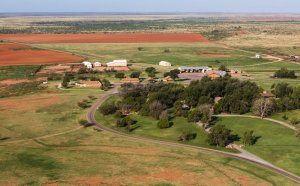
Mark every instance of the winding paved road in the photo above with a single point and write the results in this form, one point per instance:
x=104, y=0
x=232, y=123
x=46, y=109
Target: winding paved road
x=243, y=156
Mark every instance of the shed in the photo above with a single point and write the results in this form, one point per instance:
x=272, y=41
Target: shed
x=117, y=63
x=165, y=64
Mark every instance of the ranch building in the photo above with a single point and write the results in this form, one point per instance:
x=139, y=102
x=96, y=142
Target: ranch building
x=87, y=64
x=89, y=84
x=117, y=63
x=194, y=69
x=131, y=80
x=165, y=64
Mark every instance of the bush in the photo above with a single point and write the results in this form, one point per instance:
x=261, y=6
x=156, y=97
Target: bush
x=120, y=75
x=163, y=124
x=167, y=51
x=294, y=121
x=125, y=122
x=135, y=74
x=83, y=104
x=285, y=117
x=194, y=116
x=85, y=123
x=219, y=135
x=187, y=136
x=108, y=109
x=140, y=48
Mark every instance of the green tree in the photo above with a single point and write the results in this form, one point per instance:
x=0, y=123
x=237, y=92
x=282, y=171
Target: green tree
x=149, y=70
x=187, y=136
x=163, y=124
x=135, y=74
x=65, y=82
x=248, y=138
x=282, y=90
x=120, y=75
x=105, y=84
x=219, y=135
x=108, y=109
x=194, y=115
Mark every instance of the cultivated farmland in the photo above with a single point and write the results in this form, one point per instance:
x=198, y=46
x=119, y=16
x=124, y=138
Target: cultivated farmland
x=16, y=54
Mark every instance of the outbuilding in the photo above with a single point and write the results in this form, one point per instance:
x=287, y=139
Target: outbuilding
x=165, y=64
x=87, y=64
x=118, y=63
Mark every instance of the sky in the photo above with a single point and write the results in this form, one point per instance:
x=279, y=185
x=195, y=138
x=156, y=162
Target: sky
x=262, y=6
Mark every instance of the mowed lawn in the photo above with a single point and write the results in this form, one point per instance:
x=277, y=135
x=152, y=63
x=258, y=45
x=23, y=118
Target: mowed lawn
x=276, y=144
x=180, y=54
x=89, y=157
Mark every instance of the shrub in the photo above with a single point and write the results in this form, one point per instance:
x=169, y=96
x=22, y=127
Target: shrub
x=108, y=109
x=219, y=135
x=140, y=48
x=135, y=74
x=163, y=124
x=187, y=136
x=85, y=123
x=125, y=122
x=294, y=121
x=167, y=51
x=83, y=104
x=285, y=117
x=194, y=116
x=120, y=75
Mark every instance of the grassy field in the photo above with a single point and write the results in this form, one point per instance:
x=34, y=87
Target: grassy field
x=276, y=144
x=87, y=157
x=181, y=54
x=17, y=72
x=294, y=114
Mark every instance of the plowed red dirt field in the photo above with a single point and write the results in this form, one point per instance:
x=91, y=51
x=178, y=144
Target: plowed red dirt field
x=16, y=54
x=104, y=38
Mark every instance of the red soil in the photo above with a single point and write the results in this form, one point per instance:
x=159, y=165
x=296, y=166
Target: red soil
x=15, y=54
x=14, y=81
x=104, y=38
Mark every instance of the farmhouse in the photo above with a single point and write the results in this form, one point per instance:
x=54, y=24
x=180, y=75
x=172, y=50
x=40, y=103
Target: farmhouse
x=87, y=64
x=89, y=84
x=194, y=69
x=165, y=64
x=117, y=63
x=131, y=80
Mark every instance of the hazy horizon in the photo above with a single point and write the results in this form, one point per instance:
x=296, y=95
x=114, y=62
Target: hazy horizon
x=154, y=6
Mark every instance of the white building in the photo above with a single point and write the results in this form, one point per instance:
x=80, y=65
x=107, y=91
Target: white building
x=87, y=64
x=97, y=64
x=257, y=56
x=117, y=63
x=165, y=64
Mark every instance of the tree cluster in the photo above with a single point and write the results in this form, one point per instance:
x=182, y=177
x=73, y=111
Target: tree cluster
x=285, y=73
